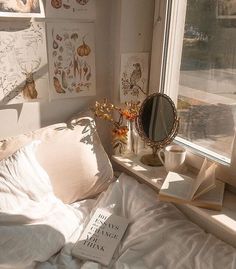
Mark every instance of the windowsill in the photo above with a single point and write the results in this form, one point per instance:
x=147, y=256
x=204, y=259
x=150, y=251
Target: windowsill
x=220, y=223
x=203, y=152
x=225, y=171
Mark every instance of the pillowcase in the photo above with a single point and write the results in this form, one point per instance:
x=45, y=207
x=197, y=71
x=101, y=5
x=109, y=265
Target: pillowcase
x=72, y=155
x=22, y=179
x=34, y=224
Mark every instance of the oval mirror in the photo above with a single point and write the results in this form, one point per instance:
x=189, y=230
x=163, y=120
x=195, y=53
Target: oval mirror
x=157, y=124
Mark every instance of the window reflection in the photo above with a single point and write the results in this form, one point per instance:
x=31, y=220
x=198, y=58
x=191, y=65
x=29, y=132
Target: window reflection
x=207, y=92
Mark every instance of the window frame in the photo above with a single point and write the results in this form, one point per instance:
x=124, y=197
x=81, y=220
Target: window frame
x=165, y=72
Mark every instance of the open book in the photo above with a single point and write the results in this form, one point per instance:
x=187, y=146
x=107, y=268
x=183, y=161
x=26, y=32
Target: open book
x=203, y=191
x=100, y=237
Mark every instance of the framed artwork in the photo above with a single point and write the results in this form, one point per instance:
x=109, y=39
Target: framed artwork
x=23, y=63
x=71, y=50
x=71, y=9
x=134, y=77
x=226, y=9
x=22, y=8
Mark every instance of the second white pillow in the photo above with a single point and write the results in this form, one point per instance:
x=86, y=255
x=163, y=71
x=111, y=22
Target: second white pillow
x=22, y=179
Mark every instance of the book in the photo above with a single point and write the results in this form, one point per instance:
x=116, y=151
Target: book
x=203, y=191
x=100, y=237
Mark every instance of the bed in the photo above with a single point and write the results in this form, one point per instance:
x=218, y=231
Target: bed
x=51, y=182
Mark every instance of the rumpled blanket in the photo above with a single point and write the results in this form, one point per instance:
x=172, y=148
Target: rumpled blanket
x=159, y=236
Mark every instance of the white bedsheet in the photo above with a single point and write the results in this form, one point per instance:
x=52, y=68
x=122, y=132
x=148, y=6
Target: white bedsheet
x=159, y=236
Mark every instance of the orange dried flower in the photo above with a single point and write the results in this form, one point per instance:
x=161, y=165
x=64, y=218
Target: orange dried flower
x=105, y=111
x=129, y=115
x=120, y=132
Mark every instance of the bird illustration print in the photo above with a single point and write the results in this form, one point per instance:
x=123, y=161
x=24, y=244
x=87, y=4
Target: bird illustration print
x=135, y=75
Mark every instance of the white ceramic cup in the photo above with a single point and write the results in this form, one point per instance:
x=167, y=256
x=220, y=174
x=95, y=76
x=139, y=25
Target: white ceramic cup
x=172, y=157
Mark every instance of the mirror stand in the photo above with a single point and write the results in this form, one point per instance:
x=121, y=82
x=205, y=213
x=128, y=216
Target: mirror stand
x=152, y=159
x=157, y=124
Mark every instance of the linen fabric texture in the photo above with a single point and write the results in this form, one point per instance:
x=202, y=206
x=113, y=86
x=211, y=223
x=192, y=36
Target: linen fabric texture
x=38, y=231
x=72, y=155
x=34, y=224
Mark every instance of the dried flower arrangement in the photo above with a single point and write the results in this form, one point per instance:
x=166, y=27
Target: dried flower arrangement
x=126, y=114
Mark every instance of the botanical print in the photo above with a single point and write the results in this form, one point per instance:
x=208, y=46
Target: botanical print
x=23, y=62
x=21, y=8
x=226, y=9
x=77, y=9
x=134, y=76
x=71, y=52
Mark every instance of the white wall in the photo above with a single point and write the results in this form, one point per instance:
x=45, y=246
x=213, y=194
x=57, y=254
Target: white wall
x=133, y=27
x=15, y=119
x=121, y=26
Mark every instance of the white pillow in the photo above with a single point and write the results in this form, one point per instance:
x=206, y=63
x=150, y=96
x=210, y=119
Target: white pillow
x=72, y=155
x=22, y=179
x=34, y=224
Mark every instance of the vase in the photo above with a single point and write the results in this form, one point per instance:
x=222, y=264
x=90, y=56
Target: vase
x=132, y=139
x=119, y=140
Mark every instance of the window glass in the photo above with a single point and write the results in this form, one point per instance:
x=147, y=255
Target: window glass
x=207, y=84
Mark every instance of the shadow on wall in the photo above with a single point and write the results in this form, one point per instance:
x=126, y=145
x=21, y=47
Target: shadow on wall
x=24, y=117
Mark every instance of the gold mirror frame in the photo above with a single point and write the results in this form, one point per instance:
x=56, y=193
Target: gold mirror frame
x=153, y=159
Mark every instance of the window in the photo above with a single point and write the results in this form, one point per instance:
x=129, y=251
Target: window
x=193, y=75
x=201, y=73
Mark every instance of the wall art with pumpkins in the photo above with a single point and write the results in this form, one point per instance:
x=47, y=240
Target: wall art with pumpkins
x=53, y=58
x=71, y=59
